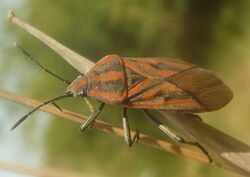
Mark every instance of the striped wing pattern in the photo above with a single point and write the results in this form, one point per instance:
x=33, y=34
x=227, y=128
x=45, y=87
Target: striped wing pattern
x=149, y=87
x=106, y=81
x=154, y=83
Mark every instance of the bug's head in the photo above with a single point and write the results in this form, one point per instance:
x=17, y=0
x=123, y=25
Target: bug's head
x=79, y=86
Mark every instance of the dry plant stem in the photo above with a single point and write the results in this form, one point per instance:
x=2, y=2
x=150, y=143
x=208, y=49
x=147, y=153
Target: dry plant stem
x=37, y=171
x=236, y=155
x=79, y=62
x=230, y=152
x=153, y=142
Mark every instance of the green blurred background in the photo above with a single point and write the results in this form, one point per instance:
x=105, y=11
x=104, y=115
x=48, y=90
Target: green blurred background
x=214, y=34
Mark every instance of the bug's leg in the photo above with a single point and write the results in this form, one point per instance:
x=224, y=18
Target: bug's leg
x=89, y=105
x=91, y=109
x=26, y=53
x=91, y=118
x=173, y=135
x=58, y=107
x=193, y=143
x=127, y=134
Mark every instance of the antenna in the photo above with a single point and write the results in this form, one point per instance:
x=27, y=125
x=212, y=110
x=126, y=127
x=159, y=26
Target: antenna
x=65, y=95
x=26, y=53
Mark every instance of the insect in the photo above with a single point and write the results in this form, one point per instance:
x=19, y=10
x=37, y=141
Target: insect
x=147, y=83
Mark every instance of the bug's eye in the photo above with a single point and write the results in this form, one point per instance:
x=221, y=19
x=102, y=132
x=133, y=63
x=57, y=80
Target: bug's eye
x=82, y=93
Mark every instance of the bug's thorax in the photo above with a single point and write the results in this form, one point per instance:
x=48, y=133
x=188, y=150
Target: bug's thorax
x=79, y=86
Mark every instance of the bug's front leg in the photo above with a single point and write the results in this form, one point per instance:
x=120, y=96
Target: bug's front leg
x=173, y=135
x=90, y=120
x=91, y=109
x=127, y=134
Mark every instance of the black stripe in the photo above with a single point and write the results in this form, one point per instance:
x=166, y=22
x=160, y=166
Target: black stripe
x=145, y=69
x=166, y=96
x=130, y=99
x=161, y=66
x=116, y=86
x=111, y=66
x=133, y=78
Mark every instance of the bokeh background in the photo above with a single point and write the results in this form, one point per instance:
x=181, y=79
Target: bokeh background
x=214, y=34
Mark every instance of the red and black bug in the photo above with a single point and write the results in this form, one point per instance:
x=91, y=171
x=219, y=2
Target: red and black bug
x=152, y=83
x=147, y=83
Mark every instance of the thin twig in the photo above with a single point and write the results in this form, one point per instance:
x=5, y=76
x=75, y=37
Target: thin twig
x=37, y=171
x=145, y=139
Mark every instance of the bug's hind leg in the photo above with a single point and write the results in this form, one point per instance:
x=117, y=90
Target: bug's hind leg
x=127, y=134
x=90, y=120
x=173, y=135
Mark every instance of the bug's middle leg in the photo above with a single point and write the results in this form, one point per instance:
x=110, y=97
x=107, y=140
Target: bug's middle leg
x=173, y=135
x=90, y=120
x=127, y=134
